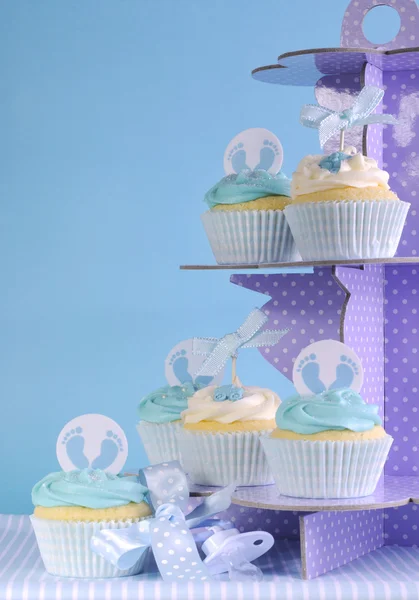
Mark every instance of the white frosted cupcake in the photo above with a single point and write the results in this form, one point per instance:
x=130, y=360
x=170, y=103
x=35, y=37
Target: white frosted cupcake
x=70, y=508
x=159, y=414
x=220, y=438
x=245, y=223
x=342, y=208
x=330, y=445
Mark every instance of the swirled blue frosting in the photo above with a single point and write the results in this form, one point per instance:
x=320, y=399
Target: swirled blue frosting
x=165, y=404
x=91, y=488
x=334, y=409
x=246, y=186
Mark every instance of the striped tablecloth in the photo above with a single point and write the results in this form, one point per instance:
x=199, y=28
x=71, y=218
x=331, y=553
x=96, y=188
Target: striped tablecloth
x=385, y=574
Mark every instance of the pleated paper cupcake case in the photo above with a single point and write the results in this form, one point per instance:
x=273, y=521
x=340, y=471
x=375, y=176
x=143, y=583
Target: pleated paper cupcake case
x=223, y=458
x=344, y=230
x=327, y=469
x=249, y=237
x=65, y=548
x=160, y=440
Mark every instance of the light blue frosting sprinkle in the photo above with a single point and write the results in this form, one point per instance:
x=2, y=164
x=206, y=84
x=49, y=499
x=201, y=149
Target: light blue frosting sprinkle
x=246, y=186
x=165, y=404
x=91, y=488
x=334, y=409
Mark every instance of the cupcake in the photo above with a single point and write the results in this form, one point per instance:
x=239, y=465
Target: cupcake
x=219, y=441
x=245, y=222
x=330, y=445
x=159, y=414
x=71, y=507
x=342, y=208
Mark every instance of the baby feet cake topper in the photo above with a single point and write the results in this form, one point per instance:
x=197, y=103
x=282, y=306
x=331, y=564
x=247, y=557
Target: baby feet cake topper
x=92, y=441
x=182, y=364
x=254, y=149
x=327, y=365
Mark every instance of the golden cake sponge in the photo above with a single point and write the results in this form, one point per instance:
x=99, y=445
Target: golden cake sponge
x=215, y=427
x=131, y=511
x=347, y=194
x=331, y=435
x=266, y=203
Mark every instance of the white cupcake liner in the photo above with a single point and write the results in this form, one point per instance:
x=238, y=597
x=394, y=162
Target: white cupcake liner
x=223, y=458
x=65, y=548
x=250, y=237
x=346, y=230
x=326, y=469
x=160, y=440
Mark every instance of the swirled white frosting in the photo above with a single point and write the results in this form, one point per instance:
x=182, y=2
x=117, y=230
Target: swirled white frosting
x=257, y=404
x=358, y=171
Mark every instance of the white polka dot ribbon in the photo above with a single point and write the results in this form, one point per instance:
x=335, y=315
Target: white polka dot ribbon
x=247, y=335
x=329, y=122
x=168, y=534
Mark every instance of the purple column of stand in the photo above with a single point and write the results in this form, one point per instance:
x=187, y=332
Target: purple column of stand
x=373, y=309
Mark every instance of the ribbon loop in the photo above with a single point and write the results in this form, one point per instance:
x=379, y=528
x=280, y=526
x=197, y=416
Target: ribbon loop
x=329, y=122
x=246, y=336
x=166, y=483
x=168, y=533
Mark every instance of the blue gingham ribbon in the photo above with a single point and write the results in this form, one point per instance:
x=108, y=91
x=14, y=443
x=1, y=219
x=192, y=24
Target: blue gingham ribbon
x=329, y=122
x=246, y=336
x=169, y=533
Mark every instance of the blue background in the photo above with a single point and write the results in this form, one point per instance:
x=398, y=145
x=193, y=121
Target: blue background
x=114, y=119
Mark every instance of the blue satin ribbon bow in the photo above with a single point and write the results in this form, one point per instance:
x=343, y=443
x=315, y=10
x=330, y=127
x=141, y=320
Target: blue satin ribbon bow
x=246, y=336
x=329, y=122
x=168, y=533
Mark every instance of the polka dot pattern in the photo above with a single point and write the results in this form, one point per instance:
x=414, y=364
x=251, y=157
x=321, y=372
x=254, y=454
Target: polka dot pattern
x=175, y=551
x=374, y=132
x=402, y=368
x=282, y=524
x=363, y=326
x=401, y=158
x=401, y=526
x=333, y=539
x=390, y=492
x=352, y=34
x=307, y=69
x=310, y=305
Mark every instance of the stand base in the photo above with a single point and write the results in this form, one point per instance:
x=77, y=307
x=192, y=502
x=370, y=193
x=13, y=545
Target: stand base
x=390, y=573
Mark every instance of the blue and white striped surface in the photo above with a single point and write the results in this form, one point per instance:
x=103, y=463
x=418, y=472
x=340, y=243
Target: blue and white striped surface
x=390, y=573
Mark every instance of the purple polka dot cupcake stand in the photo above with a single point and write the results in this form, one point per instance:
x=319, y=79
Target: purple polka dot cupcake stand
x=373, y=308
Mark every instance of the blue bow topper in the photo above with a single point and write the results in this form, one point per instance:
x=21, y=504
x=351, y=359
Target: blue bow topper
x=168, y=533
x=329, y=122
x=246, y=336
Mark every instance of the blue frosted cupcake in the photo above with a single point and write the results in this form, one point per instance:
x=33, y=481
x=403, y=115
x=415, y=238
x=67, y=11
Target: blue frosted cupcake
x=70, y=508
x=159, y=414
x=331, y=445
x=245, y=223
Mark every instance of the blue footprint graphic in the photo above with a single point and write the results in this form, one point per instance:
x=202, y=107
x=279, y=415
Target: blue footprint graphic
x=267, y=155
x=109, y=449
x=237, y=156
x=74, y=442
x=345, y=373
x=180, y=364
x=310, y=371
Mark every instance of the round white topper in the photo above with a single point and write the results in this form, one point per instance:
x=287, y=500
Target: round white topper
x=327, y=365
x=94, y=441
x=255, y=148
x=181, y=363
